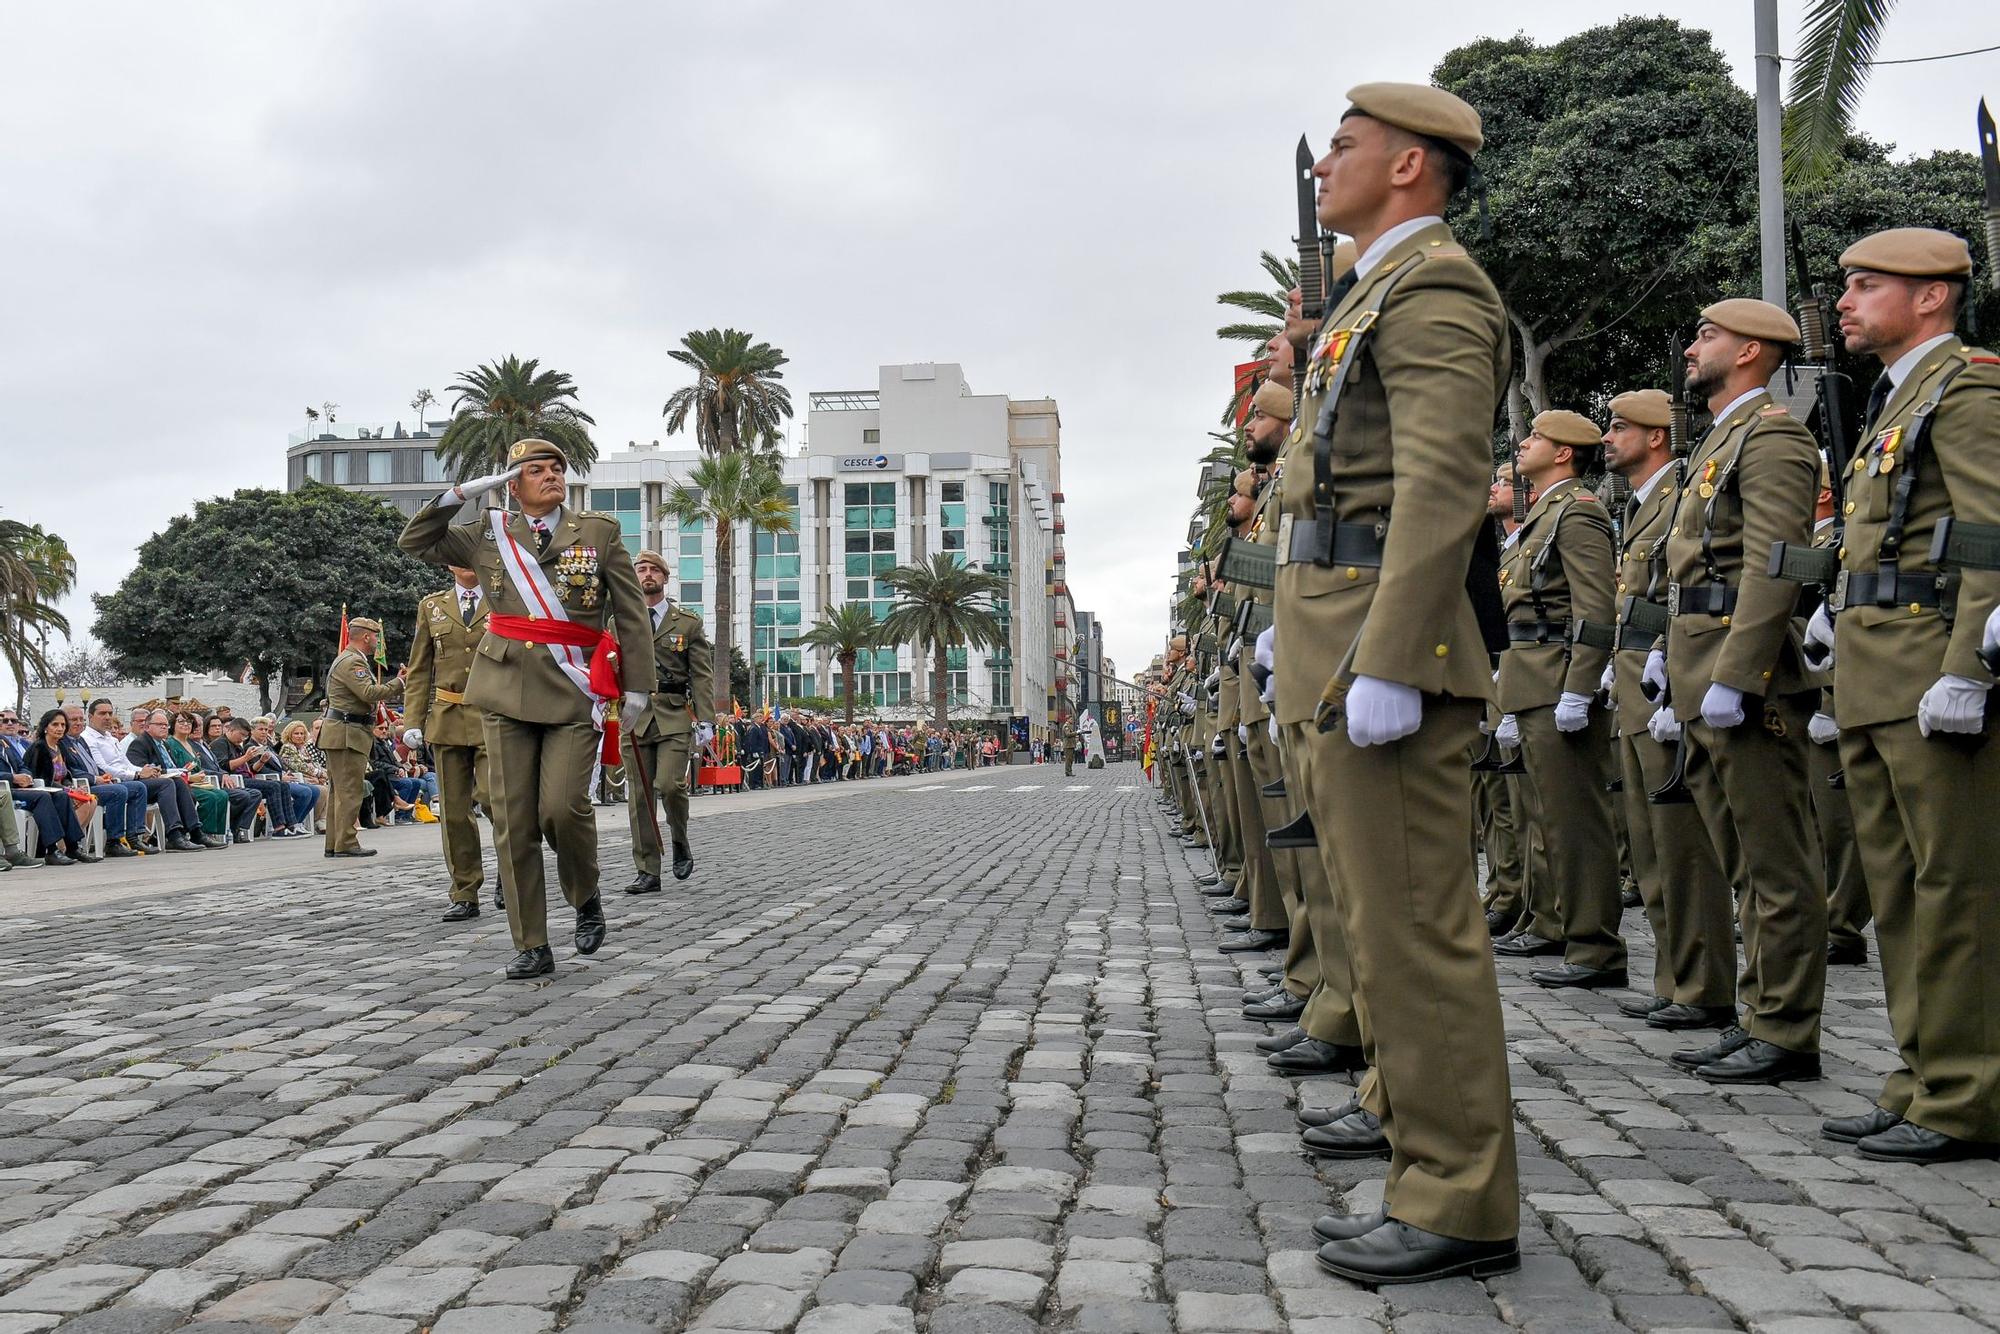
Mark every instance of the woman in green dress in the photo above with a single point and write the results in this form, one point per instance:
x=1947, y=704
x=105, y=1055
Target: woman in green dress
x=212, y=801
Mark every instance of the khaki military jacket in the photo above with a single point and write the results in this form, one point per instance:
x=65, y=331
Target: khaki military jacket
x=1887, y=657
x=592, y=573
x=351, y=688
x=1568, y=536
x=1644, y=532
x=1251, y=709
x=441, y=651
x=1412, y=450
x=684, y=674
x=1751, y=482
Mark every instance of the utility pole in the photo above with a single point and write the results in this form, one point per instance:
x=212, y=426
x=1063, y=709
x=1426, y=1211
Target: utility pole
x=1770, y=155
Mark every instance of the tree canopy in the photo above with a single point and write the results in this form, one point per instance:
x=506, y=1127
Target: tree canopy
x=260, y=577
x=493, y=406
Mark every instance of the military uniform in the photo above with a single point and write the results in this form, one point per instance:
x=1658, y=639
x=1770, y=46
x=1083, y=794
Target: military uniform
x=1556, y=573
x=1750, y=483
x=1069, y=750
x=447, y=635
x=1924, y=805
x=346, y=732
x=1847, y=910
x=684, y=677
x=537, y=722
x=1421, y=337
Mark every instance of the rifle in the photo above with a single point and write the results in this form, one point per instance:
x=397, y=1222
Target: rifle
x=1674, y=790
x=1314, y=255
x=1818, y=568
x=1989, y=161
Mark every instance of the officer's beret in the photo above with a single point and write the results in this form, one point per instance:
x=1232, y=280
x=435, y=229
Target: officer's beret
x=1748, y=317
x=1178, y=642
x=364, y=623
x=1644, y=407
x=1344, y=258
x=1914, y=252
x=653, y=558
x=1273, y=400
x=1563, y=427
x=1246, y=483
x=524, y=450
x=1420, y=109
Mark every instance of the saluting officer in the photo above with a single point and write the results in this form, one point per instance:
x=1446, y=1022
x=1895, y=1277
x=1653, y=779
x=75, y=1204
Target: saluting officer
x=558, y=582
x=1912, y=692
x=1556, y=573
x=347, y=731
x=1741, y=691
x=450, y=624
x=684, y=679
x=1384, y=474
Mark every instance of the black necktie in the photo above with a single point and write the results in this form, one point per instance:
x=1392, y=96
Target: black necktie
x=1341, y=287
x=466, y=607
x=1631, y=513
x=1878, y=397
x=542, y=536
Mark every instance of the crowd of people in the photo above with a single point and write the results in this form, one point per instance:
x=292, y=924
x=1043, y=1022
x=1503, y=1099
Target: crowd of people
x=786, y=747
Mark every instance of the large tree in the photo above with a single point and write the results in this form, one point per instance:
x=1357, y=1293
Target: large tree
x=845, y=632
x=36, y=571
x=261, y=577
x=727, y=491
x=942, y=605
x=737, y=399
x=495, y=405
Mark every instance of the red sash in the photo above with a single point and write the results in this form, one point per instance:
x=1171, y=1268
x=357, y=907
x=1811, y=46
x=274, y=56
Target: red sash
x=541, y=630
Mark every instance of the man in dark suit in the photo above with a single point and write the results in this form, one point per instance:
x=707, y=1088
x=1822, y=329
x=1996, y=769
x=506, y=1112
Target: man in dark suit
x=147, y=750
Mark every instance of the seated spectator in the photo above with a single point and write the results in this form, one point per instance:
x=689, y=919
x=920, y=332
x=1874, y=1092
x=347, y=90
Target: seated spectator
x=163, y=790
x=50, y=808
x=419, y=764
x=298, y=748
x=211, y=729
x=44, y=759
x=392, y=792
x=123, y=803
x=227, y=809
x=259, y=770
x=305, y=795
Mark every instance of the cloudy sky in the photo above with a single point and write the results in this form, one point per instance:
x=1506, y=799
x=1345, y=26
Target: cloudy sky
x=212, y=215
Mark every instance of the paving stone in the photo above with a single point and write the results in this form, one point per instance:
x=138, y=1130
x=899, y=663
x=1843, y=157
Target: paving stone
x=543, y=1286
x=71, y=1290
x=495, y=1320
x=753, y=1306
x=851, y=1318
x=277, y=1303
x=416, y=1293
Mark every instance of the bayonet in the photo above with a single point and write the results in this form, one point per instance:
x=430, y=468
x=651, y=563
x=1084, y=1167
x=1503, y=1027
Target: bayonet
x=1312, y=272
x=1989, y=159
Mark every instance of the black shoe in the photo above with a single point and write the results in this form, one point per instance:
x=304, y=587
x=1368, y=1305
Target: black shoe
x=1220, y=889
x=180, y=842
x=1500, y=922
x=57, y=857
x=1313, y=1057
x=499, y=901
x=1630, y=898
x=1693, y=1016
x=683, y=863
x=1310, y=1118
x=1761, y=1062
x=1346, y=1227
x=1854, y=1129
x=1229, y=907
x=1399, y=1253
x=118, y=847
x=1284, y=1006
x=1240, y=922
x=1639, y=1007
x=354, y=852
x=1846, y=952
x=1298, y=834
x=1206, y=877
x=1732, y=1038
x=368, y=822
x=1526, y=944
x=460, y=912
x=1576, y=975
x=1356, y=1135
x=590, y=928
x=213, y=841
x=1251, y=998
x=79, y=855
x=532, y=963
x=1909, y=1142
x=1254, y=940
x=644, y=883
x=1274, y=973
x=1282, y=1040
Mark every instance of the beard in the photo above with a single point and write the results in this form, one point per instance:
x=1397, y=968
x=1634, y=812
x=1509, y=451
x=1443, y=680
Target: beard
x=1703, y=383
x=1261, y=454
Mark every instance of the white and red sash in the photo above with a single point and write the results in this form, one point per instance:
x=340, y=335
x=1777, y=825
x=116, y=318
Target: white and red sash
x=595, y=673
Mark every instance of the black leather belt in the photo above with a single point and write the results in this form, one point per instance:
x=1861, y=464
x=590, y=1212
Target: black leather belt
x=358, y=719
x=1596, y=634
x=1353, y=543
x=1899, y=590
x=1640, y=641
x=1538, y=632
x=1700, y=599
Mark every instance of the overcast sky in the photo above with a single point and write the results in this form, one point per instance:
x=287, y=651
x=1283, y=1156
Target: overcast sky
x=213, y=215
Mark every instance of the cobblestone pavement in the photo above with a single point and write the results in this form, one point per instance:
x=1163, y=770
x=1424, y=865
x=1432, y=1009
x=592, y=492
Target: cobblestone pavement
x=954, y=1055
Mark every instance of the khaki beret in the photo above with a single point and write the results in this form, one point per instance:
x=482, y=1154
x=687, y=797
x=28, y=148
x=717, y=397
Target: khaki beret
x=1246, y=483
x=524, y=450
x=654, y=558
x=1273, y=400
x=1644, y=407
x=1748, y=317
x=1344, y=258
x=1563, y=427
x=1178, y=642
x=1420, y=109
x=1914, y=252
x=364, y=623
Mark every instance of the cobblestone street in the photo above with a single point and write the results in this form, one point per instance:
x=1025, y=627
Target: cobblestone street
x=954, y=1054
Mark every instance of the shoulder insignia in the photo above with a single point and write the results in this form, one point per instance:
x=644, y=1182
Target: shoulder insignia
x=1440, y=250
x=1774, y=410
x=1984, y=360
x=361, y=673
x=1591, y=496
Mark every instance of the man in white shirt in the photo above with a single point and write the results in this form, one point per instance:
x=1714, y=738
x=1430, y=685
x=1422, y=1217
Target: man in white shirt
x=170, y=794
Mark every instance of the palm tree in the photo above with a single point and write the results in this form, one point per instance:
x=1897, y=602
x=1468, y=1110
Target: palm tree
x=1269, y=306
x=493, y=406
x=943, y=605
x=845, y=632
x=36, y=570
x=1837, y=41
x=736, y=398
x=723, y=492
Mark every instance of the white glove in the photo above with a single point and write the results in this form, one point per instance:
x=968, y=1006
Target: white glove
x=1508, y=734
x=1267, y=648
x=1663, y=726
x=1722, y=706
x=1269, y=694
x=1823, y=730
x=1272, y=724
x=1572, y=712
x=479, y=486
x=413, y=737
x=1187, y=700
x=1655, y=674
x=1243, y=734
x=636, y=703
x=1992, y=643
x=1819, y=637
x=1379, y=711
x=1953, y=704
x=1610, y=677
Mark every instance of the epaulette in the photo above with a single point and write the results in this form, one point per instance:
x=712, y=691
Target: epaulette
x=1979, y=356
x=1587, y=494
x=1443, y=250
x=1774, y=410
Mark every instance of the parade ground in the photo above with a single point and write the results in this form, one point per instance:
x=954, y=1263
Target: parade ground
x=952, y=1053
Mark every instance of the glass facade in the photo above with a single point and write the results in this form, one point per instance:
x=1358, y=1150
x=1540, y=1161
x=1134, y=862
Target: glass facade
x=687, y=539
x=776, y=619
x=622, y=503
x=870, y=543
x=999, y=528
